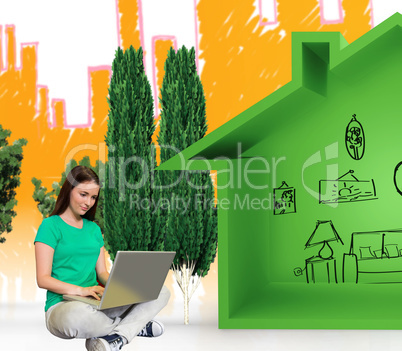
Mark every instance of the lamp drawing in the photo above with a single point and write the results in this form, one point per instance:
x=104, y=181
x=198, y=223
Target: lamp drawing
x=324, y=233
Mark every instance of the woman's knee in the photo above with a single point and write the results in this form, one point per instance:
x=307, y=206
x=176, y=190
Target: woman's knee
x=72, y=320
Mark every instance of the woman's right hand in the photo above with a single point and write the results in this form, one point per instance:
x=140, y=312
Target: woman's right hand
x=93, y=291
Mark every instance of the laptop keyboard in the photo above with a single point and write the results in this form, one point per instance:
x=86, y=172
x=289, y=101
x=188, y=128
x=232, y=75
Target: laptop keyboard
x=90, y=299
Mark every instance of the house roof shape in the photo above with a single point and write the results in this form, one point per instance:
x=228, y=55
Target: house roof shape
x=314, y=54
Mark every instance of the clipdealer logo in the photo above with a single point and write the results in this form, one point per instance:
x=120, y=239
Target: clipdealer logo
x=332, y=170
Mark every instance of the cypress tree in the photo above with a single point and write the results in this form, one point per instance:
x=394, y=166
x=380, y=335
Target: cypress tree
x=129, y=224
x=191, y=224
x=10, y=169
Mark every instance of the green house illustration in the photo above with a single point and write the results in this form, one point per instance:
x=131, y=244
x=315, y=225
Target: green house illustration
x=309, y=190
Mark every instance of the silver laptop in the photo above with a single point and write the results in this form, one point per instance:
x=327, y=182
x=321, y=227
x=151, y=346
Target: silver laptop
x=136, y=276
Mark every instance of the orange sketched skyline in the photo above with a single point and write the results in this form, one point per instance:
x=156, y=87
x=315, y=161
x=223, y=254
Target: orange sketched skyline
x=243, y=63
x=25, y=110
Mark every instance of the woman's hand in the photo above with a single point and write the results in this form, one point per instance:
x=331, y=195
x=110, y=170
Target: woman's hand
x=93, y=291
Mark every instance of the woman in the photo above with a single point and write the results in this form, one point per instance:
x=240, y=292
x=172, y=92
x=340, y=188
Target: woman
x=70, y=259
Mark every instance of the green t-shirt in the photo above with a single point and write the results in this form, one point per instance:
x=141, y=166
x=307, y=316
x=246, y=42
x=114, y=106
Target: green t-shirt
x=76, y=252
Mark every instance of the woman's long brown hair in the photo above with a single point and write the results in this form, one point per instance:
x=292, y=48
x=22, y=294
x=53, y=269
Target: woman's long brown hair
x=79, y=174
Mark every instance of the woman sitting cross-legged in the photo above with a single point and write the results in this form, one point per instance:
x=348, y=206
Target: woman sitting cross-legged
x=70, y=260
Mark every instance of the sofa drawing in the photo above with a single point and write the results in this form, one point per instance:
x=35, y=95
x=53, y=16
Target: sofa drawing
x=374, y=257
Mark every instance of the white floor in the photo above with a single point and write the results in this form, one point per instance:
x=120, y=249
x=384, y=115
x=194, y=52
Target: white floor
x=22, y=328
